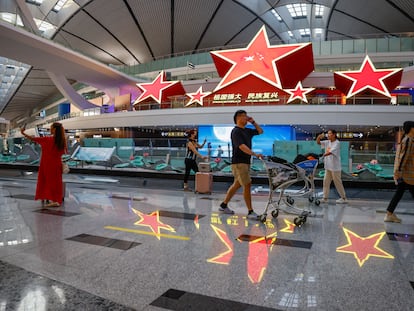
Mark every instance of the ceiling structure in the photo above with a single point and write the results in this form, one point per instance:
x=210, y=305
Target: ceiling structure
x=128, y=32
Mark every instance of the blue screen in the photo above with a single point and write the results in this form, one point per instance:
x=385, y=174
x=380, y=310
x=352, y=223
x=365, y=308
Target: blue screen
x=220, y=136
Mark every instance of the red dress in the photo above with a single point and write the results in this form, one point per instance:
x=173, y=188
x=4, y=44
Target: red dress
x=49, y=178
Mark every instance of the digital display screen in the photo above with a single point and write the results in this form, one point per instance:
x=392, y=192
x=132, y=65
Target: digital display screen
x=220, y=136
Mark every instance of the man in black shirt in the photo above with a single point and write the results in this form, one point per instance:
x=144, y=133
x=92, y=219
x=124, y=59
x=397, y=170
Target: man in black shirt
x=241, y=139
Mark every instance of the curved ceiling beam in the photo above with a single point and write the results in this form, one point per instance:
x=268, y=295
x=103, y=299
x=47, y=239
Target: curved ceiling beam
x=261, y=19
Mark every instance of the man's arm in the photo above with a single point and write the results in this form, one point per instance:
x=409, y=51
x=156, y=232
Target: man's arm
x=250, y=152
x=319, y=138
x=256, y=125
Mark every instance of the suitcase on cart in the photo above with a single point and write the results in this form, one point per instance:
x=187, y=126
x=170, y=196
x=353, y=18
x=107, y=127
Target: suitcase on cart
x=204, y=183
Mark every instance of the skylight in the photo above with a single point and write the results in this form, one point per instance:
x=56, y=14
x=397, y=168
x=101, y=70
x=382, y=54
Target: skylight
x=276, y=15
x=297, y=10
x=304, y=32
x=318, y=31
x=319, y=9
x=35, y=2
x=11, y=18
x=59, y=5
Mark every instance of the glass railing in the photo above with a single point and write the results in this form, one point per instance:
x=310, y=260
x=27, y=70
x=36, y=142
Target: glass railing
x=397, y=43
x=368, y=161
x=181, y=103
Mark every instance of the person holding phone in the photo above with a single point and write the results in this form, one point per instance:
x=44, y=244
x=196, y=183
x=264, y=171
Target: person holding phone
x=49, y=185
x=241, y=139
x=403, y=170
x=332, y=164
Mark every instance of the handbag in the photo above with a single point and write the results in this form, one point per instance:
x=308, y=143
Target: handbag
x=65, y=168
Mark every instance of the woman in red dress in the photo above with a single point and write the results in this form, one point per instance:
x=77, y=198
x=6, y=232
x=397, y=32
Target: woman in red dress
x=49, y=179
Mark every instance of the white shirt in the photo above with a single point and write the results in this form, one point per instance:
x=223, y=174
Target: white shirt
x=333, y=161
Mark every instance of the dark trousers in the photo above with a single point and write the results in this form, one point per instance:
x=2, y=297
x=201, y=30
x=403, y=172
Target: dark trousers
x=190, y=164
x=401, y=187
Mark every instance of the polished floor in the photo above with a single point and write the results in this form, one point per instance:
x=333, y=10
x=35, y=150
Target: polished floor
x=129, y=244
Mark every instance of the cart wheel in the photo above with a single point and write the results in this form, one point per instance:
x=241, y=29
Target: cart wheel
x=311, y=199
x=317, y=202
x=290, y=200
x=275, y=213
x=263, y=218
x=299, y=221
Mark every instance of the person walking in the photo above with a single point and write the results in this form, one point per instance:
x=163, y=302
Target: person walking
x=403, y=170
x=191, y=156
x=241, y=139
x=332, y=164
x=49, y=178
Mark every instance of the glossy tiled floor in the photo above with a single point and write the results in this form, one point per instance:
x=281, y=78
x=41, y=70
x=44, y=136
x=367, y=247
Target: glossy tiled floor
x=123, y=246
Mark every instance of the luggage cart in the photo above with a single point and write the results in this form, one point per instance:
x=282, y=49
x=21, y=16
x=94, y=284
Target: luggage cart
x=309, y=167
x=284, y=175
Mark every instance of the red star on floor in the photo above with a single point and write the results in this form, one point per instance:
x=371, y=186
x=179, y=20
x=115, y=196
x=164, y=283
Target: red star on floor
x=363, y=248
x=157, y=89
x=272, y=64
x=153, y=222
x=197, y=97
x=290, y=227
x=258, y=257
x=298, y=93
x=368, y=79
x=224, y=257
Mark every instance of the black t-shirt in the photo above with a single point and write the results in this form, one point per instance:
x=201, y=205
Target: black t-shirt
x=241, y=136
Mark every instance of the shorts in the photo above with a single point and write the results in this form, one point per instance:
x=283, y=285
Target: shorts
x=241, y=173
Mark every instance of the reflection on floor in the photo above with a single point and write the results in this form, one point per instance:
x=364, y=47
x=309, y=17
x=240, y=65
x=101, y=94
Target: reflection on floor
x=119, y=246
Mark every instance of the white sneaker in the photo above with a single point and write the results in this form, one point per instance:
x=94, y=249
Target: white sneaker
x=324, y=200
x=341, y=201
x=392, y=218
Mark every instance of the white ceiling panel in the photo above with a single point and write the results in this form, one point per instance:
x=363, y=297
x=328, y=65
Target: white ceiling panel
x=228, y=22
x=187, y=32
x=115, y=17
x=155, y=19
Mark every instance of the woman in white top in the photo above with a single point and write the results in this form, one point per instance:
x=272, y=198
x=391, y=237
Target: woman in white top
x=332, y=163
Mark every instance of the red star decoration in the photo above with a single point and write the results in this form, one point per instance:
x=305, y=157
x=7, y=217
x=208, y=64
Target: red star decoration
x=156, y=89
x=298, y=93
x=363, y=248
x=258, y=257
x=197, y=97
x=368, y=78
x=224, y=257
x=261, y=60
x=153, y=221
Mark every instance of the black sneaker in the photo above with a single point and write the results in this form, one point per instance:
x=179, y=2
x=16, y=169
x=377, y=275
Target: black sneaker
x=224, y=208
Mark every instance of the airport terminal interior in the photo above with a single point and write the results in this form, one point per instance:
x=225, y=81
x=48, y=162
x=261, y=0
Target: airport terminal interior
x=129, y=79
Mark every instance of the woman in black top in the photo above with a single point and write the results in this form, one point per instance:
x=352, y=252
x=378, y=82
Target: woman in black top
x=191, y=156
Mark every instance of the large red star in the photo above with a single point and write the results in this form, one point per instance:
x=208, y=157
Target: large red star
x=363, y=248
x=153, y=221
x=367, y=78
x=154, y=89
x=298, y=93
x=259, y=59
x=197, y=97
